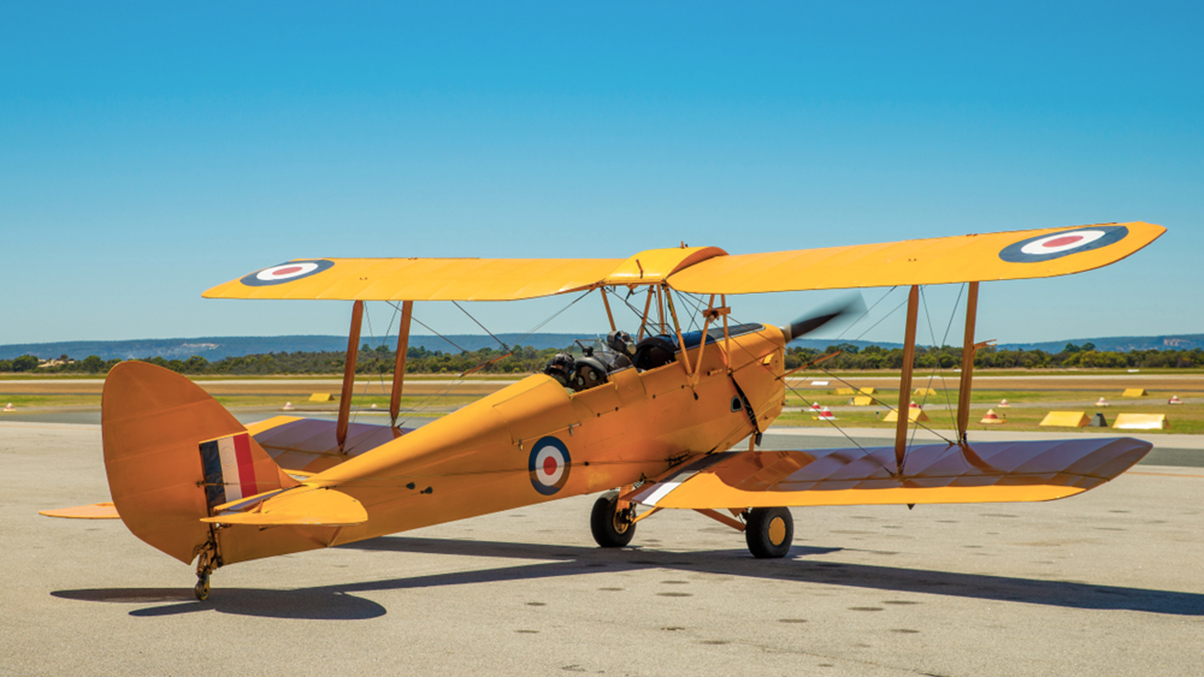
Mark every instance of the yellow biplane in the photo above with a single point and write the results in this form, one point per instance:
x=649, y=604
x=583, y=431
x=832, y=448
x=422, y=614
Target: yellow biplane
x=653, y=420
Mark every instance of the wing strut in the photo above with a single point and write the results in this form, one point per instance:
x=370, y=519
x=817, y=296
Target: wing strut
x=353, y=347
x=909, y=358
x=968, y=350
x=644, y=318
x=399, y=363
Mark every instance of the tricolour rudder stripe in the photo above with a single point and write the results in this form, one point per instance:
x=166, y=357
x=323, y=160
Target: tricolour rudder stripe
x=246, y=466
x=215, y=481
x=229, y=467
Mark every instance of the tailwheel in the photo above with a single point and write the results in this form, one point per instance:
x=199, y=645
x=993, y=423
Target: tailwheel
x=202, y=588
x=206, y=563
x=612, y=528
x=768, y=532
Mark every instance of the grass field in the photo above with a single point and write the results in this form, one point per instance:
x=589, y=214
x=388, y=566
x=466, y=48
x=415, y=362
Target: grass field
x=58, y=400
x=419, y=404
x=1032, y=394
x=1027, y=410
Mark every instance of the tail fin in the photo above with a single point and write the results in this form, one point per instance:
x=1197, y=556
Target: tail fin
x=172, y=453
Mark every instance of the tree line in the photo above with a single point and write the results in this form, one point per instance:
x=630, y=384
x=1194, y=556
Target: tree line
x=370, y=360
x=949, y=357
x=525, y=360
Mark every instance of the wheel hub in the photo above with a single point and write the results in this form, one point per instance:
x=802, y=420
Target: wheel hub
x=777, y=530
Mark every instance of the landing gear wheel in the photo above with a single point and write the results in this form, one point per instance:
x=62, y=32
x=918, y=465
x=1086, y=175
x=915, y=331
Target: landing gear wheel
x=768, y=532
x=611, y=528
x=202, y=588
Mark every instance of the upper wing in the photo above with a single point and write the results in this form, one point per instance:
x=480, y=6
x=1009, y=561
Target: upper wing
x=996, y=256
x=417, y=279
x=935, y=473
x=704, y=270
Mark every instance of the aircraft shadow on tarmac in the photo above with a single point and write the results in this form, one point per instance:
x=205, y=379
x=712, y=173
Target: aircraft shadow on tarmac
x=339, y=601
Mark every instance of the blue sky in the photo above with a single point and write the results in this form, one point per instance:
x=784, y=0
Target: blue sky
x=149, y=151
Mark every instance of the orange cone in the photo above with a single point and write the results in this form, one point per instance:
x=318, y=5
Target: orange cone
x=1174, y=400
x=826, y=414
x=1003, y=404
x=815, y=406
x=10, y=407
x=1102, y=402
x=991, y=417
x=288, y=406
x=914, y=405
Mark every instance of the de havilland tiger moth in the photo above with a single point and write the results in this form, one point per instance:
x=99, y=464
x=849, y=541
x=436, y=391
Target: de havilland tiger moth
x=653, y=420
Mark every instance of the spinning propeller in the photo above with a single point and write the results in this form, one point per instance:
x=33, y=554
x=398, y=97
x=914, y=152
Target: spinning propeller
x=843, y=309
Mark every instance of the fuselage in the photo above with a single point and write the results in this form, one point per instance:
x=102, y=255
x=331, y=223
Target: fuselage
x=536, y=441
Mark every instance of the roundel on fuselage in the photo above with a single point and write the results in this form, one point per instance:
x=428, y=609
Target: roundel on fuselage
x=549, y=465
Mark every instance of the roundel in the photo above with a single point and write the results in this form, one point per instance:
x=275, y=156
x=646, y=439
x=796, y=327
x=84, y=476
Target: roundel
x=549, y=465
x=286, y=272
x=1061, y=244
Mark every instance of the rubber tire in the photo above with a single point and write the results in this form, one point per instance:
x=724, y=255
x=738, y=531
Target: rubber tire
x=602, y=523
x=759, y=523
x=201, y=590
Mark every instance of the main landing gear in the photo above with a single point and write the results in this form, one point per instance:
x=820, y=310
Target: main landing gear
x=612, y=527
x=769, y=532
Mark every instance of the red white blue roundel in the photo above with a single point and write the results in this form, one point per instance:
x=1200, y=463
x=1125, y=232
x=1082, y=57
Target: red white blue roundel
x=549, y=465
x=286, y=272
x=1065, y=243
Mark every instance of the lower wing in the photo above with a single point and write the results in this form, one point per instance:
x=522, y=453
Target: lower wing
x=936, y=473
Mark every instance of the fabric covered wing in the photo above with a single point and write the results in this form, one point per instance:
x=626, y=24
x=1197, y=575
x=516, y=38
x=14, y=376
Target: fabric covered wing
x=417, y=279
x=309, y=445
x=996, y=256
x=937, y=473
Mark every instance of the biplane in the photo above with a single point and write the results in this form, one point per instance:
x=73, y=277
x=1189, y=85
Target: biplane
x=656, y=420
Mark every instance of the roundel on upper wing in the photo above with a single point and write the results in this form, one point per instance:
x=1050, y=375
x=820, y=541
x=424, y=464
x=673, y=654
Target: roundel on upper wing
x=549, y=465
x=286, y=272
x=1065, y=243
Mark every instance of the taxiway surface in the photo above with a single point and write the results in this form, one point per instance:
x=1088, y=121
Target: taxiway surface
x=1110, y=582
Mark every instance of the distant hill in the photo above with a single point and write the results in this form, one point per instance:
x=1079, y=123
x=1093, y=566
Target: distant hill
x=1119, y=344
x=215, y=348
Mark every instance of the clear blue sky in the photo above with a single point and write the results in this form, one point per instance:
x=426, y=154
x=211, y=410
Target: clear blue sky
x=151, y=150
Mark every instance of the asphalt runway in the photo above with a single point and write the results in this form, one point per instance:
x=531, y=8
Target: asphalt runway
x=1107, y=583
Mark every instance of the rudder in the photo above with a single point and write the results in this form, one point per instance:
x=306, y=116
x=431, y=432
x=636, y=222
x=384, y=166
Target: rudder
x=171, y=453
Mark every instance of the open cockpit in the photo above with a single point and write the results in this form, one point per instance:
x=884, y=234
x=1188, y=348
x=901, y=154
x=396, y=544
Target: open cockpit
x=591, y=361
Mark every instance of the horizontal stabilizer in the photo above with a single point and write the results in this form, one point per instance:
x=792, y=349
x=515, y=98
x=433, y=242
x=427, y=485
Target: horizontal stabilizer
x=935, y=473
x=302, y=506
x=96, y=511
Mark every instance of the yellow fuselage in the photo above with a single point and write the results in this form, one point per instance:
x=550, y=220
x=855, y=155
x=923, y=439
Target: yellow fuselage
x=478, y=460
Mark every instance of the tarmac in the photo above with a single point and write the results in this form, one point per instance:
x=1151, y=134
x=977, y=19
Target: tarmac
x=1107, y=583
